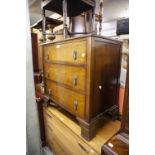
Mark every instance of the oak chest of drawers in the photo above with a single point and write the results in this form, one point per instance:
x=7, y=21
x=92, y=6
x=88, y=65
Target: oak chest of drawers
x=82, y=76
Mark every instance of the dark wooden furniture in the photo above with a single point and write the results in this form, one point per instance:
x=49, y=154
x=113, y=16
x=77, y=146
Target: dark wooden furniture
x=66, y=8
x=49, y=21
x=119, y=144
x=40, y=101
x=37, y=82
x=74, y=7
x=36, y=70
x=35, y=52
x=82, y=76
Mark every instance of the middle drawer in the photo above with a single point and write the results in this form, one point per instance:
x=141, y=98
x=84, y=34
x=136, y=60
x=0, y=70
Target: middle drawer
x=69, y=75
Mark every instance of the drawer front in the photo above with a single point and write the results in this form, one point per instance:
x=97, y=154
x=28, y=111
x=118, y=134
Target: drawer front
x=74, y=52
x=69, y=75
x=69, y=142
x=50, y=140
x=53, y=140
x=54, y=144
x=72, y=101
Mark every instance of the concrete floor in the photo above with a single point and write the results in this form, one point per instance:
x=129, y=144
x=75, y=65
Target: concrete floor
x=47, y=151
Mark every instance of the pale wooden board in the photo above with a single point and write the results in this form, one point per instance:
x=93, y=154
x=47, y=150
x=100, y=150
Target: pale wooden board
x=103, y=135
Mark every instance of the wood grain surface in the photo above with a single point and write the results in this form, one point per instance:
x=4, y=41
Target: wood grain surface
x=69, y=75
x=67, y=98
x=68, y=133
x=74, y=52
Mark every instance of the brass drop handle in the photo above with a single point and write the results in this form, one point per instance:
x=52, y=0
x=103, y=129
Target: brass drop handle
x=75, y=55
x=75, y=80
x=83, y=148
x=75, y=104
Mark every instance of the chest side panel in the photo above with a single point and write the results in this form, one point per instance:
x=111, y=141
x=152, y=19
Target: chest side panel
x=106, y=75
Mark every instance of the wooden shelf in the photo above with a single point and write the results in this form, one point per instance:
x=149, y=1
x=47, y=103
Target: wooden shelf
x=74, y=8
x=51, y=21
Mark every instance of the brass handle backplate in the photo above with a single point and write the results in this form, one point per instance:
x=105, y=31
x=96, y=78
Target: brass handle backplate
x=75, y=55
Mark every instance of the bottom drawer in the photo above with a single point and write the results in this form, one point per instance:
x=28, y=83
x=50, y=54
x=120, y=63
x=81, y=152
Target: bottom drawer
x=72, y=101
x=62, y=137
x=53, y=143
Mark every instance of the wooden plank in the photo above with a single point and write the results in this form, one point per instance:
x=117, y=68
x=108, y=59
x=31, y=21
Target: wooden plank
x=103, y=135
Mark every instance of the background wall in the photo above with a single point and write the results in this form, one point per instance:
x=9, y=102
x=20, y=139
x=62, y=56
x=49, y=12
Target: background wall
x=113, y=10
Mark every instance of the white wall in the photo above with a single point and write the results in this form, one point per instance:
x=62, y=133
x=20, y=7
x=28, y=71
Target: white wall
x=113, y=10
x=32, y=124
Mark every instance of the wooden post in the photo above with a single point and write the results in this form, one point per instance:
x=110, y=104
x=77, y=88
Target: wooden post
x=100, y=17
x=65, y=17
x=43, y=25
x=94, y=25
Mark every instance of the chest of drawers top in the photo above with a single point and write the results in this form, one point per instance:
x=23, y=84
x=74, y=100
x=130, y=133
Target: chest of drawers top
x=83, y=37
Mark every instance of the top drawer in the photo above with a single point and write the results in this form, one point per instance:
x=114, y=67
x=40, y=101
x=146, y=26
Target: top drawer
x=74, y=52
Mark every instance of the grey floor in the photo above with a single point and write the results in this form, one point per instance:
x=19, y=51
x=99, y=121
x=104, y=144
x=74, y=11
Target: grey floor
x=47, y=151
